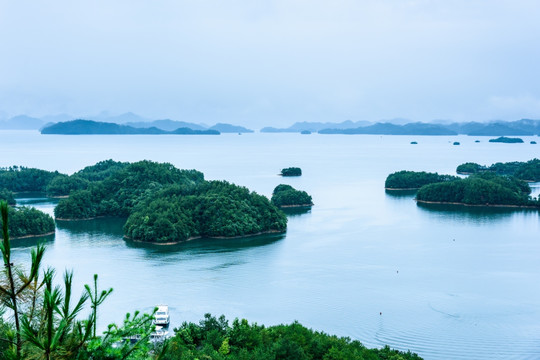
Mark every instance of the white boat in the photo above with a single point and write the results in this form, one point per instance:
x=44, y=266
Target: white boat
x=159, y=334
x=162, y=317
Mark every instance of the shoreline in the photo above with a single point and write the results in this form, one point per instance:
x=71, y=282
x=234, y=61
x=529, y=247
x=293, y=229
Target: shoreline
x=295, y=206
x=477, y=205
x=31, y=236
x=205, y=237
x=401, y=189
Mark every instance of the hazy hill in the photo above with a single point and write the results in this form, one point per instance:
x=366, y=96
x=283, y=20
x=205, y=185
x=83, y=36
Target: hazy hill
x=393, y=129
x=316, y=126
x=167, y=124
x=89, y=127
x=21, y=122
x=228, y=128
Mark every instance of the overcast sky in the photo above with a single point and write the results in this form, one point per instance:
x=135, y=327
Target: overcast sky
x=262, y=63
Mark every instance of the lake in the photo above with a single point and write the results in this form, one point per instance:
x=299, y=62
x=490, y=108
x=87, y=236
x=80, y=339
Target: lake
x=450, y=282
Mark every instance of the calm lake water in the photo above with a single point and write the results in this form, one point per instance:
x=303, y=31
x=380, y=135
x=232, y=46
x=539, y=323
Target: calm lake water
x=451, y=282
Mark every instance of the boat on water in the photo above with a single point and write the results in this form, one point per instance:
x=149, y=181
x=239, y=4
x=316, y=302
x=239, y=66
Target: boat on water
x=162, y=317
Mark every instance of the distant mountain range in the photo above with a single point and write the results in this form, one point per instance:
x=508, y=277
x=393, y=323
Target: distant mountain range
x=89, y=127
x=497, y=128
x=23, y=122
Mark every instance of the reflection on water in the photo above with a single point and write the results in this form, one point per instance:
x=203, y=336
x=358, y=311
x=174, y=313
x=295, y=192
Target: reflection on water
x=102, y=226
x=401, y=194
x=205, y=245
x=474, y=214
x=32, y=242
x=296, y=211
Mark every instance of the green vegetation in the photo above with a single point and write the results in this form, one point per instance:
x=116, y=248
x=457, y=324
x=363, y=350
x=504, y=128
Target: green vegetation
x=214, y=338
x=7, y=196
x=43, y=322
x=62, y=185
x=287, y=196
x=211, y=209
x=163, y=204
x=506, y=140
x=28, y=221
x=527, y=171
x=414, y=180
x=291, y=171
x=21, y=179
x=479, y=189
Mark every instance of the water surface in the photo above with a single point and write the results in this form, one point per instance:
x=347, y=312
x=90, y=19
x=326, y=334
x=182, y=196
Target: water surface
x=450, y=282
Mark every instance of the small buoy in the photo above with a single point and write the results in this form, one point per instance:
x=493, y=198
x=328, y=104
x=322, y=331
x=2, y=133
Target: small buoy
x=397, y=271
x=380, y=313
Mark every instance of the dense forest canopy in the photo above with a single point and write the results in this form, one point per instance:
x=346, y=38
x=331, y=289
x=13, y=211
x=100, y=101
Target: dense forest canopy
x=414, y=179
x=28, y=221
x=527, y=171
x=479, y=189
x=21, y=179
x=214, y=338
x=285, y=195
x=291, y=171
x=211, y=209
x=163, y=204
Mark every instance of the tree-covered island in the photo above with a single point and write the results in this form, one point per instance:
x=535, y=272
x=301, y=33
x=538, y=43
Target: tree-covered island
x=527, y=171
x=506, y=140
x=164, y=204
x=285, y=196
x=291, y=171
x=411, y=180
x=482, y=189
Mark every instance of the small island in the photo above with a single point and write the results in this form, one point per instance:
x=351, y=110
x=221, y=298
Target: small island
x=456, y=143
x=412, y=180
x=533, y=142
x=528, y=171
x=414, y=143
x=506, y=140
x=285, y=196
x=26, y=222
x=291, y=171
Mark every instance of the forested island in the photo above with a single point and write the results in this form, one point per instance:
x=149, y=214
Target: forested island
x=484, y=189
x=291, y=171
x=411, y=180
x=164, y=204
x=27, y=222
x=90, y=127
x=286, y=196
x=506, y=140
x=527, y=171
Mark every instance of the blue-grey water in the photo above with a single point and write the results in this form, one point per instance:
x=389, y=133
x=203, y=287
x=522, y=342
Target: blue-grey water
x=450, y=282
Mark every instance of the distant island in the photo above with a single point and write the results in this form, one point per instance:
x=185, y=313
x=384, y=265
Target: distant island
x=89, y=127
x=524, y=127
x=506, y=140
x=291, y=171
x=285, y=196
x=411, y=180
x=527, y=171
